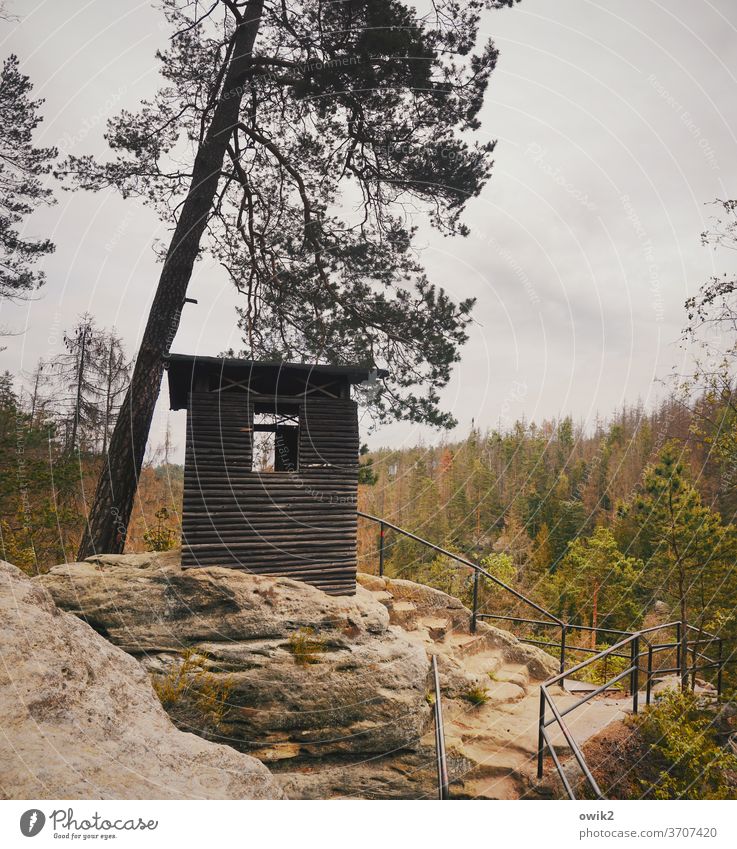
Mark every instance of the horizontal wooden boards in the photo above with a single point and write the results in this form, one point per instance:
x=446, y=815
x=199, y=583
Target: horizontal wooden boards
x=219, y=432
x=328, y=433
x=299, y=523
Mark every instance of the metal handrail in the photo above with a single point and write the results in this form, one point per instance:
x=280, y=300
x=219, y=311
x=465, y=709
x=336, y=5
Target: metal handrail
x=442, y=763
x=632, y=639
x=477, y=572
x=546, y=700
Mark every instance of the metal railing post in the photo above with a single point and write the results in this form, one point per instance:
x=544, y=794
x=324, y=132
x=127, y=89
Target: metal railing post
x=678, y=651
x=442, y=763
x=540, y=735
x=475, y=601
x=635, y=673
x=382, y=531
x=562, y=651
x=649, y=683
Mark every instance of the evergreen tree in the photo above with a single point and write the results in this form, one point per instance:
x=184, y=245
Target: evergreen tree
x=40, y=519
x=366, y=472
x=690, y=553
x=91, y=376
x=292, y=113
x=114, y=369
x=595, y=584
x=22, y=171
x=77, y=372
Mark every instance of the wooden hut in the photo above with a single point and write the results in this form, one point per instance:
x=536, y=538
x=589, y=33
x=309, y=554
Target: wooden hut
x=271, y=467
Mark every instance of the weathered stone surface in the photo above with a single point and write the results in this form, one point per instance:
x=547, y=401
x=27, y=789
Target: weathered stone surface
x=80, y=719
x=361, y=690
x=417, y=607
x=332, y=692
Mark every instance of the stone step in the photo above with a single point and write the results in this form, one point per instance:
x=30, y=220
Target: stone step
x=514, y=673
x=485, y=663
x=500, y=788
x=505, y=691
x=468, y=645
x=437, y=627
x=403, y=613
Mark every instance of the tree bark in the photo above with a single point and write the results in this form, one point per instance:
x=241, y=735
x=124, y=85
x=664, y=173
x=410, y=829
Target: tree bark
x=108, y=519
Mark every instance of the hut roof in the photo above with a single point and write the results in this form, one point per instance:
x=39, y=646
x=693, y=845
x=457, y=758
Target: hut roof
x=186, y=370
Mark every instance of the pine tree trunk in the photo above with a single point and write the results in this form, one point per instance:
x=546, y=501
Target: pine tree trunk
x=108, y=519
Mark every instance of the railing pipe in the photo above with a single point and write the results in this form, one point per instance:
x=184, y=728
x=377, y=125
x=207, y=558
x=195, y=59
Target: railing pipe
x=583, y=663
x=541, y=735
x=465, y=562
x=569, y=626
x=635, y=673
x=562, y=651
x=442, y=764
x=474, y=612
x=558, y=766
x=593, y=693
x=573, y=746
x=633, y=639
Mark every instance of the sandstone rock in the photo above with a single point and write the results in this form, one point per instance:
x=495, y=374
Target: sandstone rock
x=80, y=719
x=361, y=689
x=672, y=683
x=332, y=692
x=416, y=607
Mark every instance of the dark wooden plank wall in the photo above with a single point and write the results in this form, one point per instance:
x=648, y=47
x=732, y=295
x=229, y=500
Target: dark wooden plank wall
x=300, y=523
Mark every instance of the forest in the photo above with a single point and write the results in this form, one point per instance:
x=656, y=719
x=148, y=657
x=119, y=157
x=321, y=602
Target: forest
x=305, y=150
x=602, y=528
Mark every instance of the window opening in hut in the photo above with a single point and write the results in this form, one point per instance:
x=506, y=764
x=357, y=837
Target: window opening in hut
x=276, y=441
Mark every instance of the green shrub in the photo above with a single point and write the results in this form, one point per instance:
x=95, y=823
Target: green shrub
x=477, y=695
x=605, y=669
x=160, y=537
x=682, y=739
x=306, y=647
x=193, y=697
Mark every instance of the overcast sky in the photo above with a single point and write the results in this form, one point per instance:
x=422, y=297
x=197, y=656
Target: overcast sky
x=615, y=124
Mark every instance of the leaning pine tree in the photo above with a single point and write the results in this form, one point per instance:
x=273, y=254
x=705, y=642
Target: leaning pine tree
x=315, y=132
